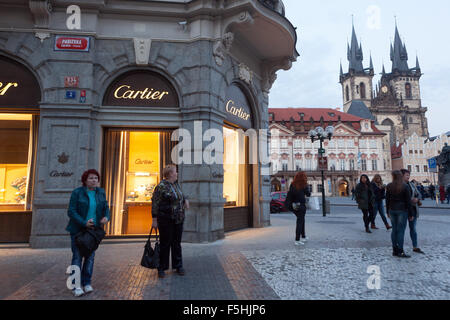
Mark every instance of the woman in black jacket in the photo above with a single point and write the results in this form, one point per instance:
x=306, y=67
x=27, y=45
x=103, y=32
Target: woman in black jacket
x=365, y=199
x=399, y=209
x=296, y=202
x=379, y=190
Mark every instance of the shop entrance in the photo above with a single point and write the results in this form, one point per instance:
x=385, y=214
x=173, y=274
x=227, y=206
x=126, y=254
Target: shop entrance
x=133, y=162
x=343, y=188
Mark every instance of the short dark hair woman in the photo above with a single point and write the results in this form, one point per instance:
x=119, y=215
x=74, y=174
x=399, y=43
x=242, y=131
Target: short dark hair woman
x=399, y=208
x=365, y=199
x=88, y=208
x=168, y=212
x=296, y=202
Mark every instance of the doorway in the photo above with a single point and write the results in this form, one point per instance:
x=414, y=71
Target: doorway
x=132, y=167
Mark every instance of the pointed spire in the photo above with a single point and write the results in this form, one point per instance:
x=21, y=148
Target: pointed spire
x=384, y=70
x=341, y=71
x=399, y=54
x=354, y=53
x=371, y=63
x=417, y=63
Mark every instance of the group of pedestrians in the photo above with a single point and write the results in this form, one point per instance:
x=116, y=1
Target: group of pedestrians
x=88, y=209
x=403, y=200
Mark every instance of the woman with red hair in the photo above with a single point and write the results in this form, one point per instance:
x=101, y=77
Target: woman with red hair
x=88, y=208
x=296, y=202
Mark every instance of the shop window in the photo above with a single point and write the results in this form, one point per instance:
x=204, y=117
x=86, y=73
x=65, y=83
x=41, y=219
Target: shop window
x=15, y=162
x=235, y=165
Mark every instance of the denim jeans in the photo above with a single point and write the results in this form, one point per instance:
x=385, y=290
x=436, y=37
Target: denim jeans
x=398, y=219
x=413, y=232
x=87, y=267
x=379, y=207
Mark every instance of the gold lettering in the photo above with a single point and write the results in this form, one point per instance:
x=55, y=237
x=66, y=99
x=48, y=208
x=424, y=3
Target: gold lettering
x=155, y=95
x=162, y=94
x=236, y=111
x=7, y=86
x=116, y=92
x=146, y=94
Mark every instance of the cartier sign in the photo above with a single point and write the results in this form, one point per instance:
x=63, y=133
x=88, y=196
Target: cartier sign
x=238, y=108
x=18, y=86
x=141, y=88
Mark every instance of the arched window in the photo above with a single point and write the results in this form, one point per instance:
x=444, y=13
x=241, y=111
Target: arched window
x=347, y=94
x=408, y=90
x=390, y=123
x=362, y=89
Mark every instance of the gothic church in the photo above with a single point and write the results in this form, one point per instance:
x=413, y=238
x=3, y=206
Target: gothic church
x=395, y=102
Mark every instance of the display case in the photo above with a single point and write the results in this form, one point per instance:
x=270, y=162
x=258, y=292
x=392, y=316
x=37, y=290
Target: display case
x=140, y=186
x=13, y=186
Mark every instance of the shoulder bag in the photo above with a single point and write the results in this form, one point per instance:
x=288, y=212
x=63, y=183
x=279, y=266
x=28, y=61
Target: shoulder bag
x=150, y=258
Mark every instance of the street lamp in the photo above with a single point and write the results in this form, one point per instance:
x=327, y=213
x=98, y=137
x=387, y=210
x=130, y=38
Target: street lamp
x=321, y=134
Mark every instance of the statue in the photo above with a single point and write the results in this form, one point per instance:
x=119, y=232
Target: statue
x=443, y=160
x=222, y=47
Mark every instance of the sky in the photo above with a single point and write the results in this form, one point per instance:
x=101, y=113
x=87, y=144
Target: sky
x=323, y=29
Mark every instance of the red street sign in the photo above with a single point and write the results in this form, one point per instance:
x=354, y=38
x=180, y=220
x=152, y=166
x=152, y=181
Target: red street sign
x=71, y=43
x=83, y=93
x=323, y=163
x=71, y=82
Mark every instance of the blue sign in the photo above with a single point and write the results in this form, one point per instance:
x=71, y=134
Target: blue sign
x=71, y=94
x=432, y=165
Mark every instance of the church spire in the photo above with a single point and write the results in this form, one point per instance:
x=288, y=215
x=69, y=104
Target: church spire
x=355, y=54
x=399, y=54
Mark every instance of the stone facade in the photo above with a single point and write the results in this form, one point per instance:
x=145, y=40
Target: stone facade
x=415, y=153
x=356, y=148
x=182, y=48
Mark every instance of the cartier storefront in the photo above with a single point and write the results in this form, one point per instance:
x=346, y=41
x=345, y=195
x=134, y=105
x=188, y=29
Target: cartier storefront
x=120, y=93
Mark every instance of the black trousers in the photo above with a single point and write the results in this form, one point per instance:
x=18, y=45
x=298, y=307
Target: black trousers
x=300, y=229
x=170, y=243
x=368, y=216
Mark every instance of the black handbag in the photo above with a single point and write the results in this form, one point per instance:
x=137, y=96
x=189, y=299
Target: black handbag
x=88, y=240
x=150, y=258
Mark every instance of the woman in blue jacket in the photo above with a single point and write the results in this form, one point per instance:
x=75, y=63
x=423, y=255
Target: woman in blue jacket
x=88, y=208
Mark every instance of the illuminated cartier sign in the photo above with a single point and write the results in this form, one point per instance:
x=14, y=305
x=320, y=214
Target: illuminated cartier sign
x=125, y=92
x=141, y=88
x=237, y=111
x=6, y=86
x=237, y=107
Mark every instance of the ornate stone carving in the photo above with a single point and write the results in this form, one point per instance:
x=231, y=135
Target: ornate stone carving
x=222, y=48
x=142, y=51
x=41, y=9
x=245, y=74
x=42, y=35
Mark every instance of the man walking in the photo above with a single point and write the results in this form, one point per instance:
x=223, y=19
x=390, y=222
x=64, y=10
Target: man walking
x=415, y=202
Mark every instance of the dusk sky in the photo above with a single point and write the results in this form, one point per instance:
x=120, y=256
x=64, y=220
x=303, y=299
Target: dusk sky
x=323, y=29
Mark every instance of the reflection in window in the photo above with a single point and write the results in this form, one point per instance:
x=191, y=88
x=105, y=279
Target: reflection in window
x=235, y=160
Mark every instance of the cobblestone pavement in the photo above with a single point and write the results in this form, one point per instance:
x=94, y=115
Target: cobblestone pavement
x=258, y=264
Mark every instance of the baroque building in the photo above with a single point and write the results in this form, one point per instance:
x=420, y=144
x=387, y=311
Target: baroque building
x=111, y=91
x=396, y=100
x=357, y=147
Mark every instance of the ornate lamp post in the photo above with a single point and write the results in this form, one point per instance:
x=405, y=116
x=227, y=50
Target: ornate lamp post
x=321, y=134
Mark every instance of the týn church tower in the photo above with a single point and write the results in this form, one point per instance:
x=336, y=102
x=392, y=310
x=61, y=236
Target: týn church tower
x=396, y=101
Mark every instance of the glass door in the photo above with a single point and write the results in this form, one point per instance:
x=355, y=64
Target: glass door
x=133, y=162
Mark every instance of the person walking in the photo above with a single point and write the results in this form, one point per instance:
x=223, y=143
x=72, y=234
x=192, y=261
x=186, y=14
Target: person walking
x=353, y=193
x=365, y=199
x=88, y=208
x=379, y=190
x=448, y=194
x=296, y=202
x=415, y=202
x=442, y=193
x=168, y=212
x=399, y=210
